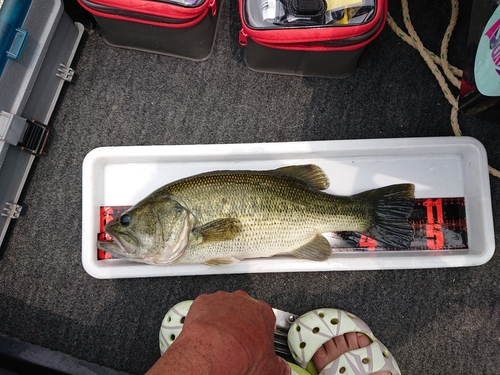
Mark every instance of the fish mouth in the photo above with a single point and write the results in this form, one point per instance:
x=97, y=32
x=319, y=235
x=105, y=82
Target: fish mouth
x=117, y=246
x=112, y=248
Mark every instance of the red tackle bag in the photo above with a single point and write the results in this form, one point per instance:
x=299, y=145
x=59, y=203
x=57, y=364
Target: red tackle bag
x=182, y=28
x=308, y=37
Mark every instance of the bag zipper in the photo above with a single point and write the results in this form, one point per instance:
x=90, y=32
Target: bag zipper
x=243, y=37
x=213, y=5
x=310, y=38
x=156, y=14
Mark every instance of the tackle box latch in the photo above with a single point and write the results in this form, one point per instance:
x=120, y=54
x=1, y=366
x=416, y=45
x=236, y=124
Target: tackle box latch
x=12, y=210
x=65, y=73
x=30, y=135
x=20, y=37
x=35, y=137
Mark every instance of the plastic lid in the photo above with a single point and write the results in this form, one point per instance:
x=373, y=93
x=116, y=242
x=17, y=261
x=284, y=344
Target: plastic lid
x=12, y=37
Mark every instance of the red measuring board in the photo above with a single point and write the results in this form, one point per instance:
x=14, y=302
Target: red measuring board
x=439, y=224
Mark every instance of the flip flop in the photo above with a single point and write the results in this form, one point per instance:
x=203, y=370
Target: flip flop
x=309, y=332
x=305, y=337
x=172, y=324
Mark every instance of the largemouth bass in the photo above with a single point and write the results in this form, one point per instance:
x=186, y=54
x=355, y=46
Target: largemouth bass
x=223, y=217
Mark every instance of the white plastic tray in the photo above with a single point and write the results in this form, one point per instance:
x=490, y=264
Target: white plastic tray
x=439, y=167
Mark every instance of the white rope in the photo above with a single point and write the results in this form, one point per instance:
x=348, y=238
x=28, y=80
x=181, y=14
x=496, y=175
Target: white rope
x=433, y=61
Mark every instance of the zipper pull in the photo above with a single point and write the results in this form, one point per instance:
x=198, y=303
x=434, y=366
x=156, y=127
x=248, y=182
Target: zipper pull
x=213, y=4
x=242, y=39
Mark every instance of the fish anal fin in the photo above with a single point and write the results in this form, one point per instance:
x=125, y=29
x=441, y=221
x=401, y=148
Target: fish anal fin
x=221, y=261
x=318, y=249
x=219, y=230
x=311, y=174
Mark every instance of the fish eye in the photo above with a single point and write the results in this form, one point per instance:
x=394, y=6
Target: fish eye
x=125, y=220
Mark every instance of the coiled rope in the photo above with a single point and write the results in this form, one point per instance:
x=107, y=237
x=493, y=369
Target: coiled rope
x=452, y=73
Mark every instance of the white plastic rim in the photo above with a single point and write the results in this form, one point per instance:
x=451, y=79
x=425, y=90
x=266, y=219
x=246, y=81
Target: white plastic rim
x=439, y=167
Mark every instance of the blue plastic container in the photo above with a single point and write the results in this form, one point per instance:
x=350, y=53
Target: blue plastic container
x=12, y=36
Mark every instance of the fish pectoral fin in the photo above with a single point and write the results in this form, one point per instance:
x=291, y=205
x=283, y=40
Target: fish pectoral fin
x=219, y=230
x=222, y=261
x=318, y=249
x=311, y=174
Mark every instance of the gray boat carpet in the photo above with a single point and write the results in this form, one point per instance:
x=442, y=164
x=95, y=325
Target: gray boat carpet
x=434, y=321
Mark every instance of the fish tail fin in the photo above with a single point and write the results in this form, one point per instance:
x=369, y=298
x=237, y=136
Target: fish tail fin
x=392, y=206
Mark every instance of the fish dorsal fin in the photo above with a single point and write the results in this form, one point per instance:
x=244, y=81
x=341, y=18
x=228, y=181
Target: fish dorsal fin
x=318, y=249
x=311, y=174
x=219, y=230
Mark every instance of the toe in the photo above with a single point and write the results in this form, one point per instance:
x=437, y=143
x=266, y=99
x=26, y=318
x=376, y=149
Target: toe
x=322, y=356
x=334, y=348
x=352, y=340
x=362, y=340
x=337, y=346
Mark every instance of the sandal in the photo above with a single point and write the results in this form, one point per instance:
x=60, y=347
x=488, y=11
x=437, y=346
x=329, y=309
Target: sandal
x=305, y=337
x=309, y=332
x=172, y=323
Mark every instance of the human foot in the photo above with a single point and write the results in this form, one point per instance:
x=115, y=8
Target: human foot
x=334, y=348
x=329, y=337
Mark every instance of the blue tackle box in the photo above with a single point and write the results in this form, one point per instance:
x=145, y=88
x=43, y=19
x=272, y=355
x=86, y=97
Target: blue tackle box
x=37, y=43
